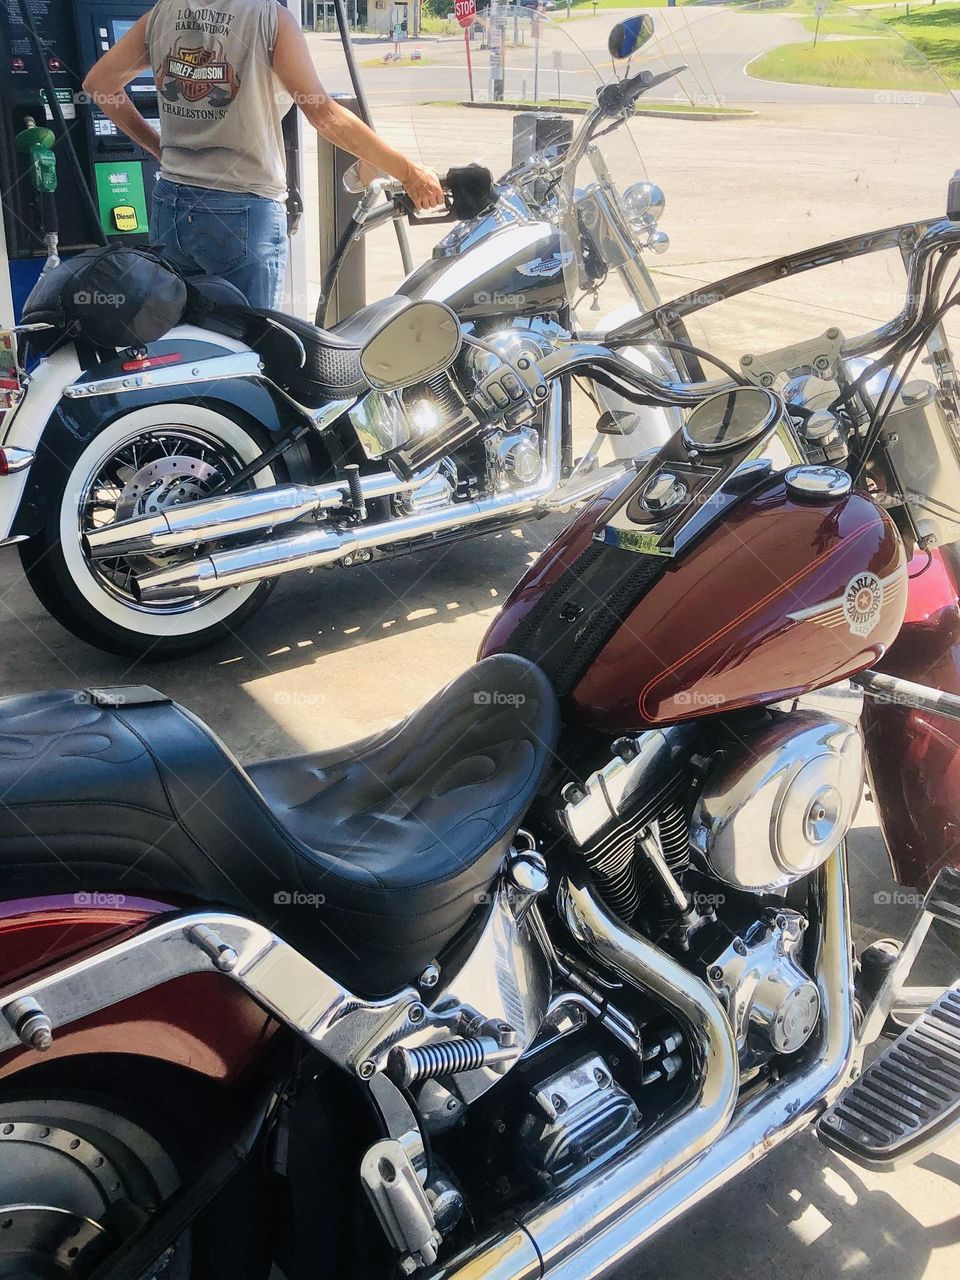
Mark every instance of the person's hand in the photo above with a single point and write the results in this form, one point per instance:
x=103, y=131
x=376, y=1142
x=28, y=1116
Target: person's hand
x=424, y=189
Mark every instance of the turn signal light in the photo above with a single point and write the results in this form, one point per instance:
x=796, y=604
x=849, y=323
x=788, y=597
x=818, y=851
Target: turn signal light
x=151, y=362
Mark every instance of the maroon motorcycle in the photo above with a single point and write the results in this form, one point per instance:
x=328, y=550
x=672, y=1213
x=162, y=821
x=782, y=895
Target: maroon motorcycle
x=506, y=989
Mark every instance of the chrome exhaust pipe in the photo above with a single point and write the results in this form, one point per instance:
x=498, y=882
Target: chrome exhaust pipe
x=233, y=514
x=312, y=548
x=586, y=1230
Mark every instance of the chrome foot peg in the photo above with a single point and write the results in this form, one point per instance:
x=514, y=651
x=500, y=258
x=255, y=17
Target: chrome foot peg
x=401, y=1205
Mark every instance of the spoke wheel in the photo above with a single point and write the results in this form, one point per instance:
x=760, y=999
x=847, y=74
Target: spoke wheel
x=144, y=476
x=142, y=464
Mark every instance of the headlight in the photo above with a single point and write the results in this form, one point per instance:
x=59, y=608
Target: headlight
x=643, y=204
x=423, y=417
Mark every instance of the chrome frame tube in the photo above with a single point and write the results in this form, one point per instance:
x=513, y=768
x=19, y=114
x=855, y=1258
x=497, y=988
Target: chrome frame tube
x=326, y=545
x=591, y=1227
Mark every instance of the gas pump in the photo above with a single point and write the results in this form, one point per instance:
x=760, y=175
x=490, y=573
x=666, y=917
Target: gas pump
x=91, y=184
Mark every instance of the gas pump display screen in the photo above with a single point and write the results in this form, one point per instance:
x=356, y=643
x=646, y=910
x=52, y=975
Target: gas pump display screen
x=118, y=29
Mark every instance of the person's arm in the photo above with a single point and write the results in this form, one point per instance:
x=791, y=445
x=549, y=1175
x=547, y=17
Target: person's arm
x=295, y=70
x=106, y=81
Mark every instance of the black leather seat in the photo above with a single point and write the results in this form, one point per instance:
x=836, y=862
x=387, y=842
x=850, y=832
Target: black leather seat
x=369, y=859
x=314, y=364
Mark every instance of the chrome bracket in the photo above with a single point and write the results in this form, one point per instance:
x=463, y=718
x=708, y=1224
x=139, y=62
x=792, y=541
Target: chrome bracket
x=819, y=356
x=239, y=364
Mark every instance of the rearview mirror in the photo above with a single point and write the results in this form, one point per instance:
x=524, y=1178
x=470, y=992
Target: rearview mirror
x=421, y=341
x=629, y=36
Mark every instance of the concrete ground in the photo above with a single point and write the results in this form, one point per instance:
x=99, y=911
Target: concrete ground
x=337, y=655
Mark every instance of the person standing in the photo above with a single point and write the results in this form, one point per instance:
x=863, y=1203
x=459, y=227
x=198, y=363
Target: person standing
x=219, y=205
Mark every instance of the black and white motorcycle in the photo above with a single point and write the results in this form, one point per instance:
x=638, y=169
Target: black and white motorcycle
x=158, y=491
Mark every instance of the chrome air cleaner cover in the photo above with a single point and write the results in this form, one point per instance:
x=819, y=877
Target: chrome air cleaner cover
x=780, y=802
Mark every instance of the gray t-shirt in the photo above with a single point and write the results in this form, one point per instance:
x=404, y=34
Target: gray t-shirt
x=220, y=110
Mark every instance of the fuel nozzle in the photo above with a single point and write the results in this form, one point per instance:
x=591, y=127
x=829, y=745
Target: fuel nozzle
x=37, y=143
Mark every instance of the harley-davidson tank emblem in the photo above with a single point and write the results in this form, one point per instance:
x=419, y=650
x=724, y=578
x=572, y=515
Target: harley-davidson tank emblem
x=548, y=265
x=198, y=73
x=860, y=607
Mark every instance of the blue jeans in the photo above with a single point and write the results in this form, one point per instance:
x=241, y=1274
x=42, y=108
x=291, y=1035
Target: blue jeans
x=242, y=238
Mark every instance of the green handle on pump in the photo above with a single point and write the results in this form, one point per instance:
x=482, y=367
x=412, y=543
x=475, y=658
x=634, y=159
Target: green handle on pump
x=37, y=143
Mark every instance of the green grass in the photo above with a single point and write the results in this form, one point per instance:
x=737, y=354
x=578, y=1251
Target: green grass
x=935, y=30
x=849, y=64
x=431, y=26
x=833, y=25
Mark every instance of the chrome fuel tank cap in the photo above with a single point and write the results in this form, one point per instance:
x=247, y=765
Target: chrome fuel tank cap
x=664, y=492
x=817, y=482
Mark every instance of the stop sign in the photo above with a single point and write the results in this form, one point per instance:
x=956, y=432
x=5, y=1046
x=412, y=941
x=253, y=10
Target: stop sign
x=465, y=11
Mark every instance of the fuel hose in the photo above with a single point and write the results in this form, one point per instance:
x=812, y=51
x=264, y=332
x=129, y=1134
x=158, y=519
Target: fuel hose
x=364, y=108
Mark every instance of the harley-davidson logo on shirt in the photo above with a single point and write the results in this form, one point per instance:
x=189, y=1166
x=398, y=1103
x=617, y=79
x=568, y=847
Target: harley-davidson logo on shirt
x=197, y=74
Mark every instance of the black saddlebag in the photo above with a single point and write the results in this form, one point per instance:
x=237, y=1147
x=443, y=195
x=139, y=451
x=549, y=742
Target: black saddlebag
x=112, y=298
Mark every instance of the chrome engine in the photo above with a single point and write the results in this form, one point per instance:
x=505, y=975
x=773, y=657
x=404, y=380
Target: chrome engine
x=780, y=803
x=513, y=458
x=772, y=1004
x=579, y=1112
x=699, y=852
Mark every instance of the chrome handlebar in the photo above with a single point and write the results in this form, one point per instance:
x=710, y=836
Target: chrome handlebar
x=923, y=282
x=924, y=277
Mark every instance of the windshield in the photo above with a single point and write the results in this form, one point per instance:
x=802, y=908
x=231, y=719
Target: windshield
x=785, y=125
x=687, y=167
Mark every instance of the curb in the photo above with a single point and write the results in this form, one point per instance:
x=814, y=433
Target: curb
x=579, y=111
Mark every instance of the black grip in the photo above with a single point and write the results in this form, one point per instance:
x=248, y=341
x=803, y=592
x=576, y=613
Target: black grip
x=469, y=191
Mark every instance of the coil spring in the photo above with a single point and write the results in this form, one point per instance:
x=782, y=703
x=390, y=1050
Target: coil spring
x=429, y=1061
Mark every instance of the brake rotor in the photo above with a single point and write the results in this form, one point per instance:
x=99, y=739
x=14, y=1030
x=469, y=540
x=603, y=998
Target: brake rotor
x=40, y=1242
x=168, y=482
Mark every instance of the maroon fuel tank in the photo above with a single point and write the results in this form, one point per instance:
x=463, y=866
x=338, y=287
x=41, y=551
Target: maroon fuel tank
x=780, y=596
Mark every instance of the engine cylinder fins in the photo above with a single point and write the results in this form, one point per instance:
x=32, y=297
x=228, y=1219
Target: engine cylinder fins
x=442, y=389
x=624, y=878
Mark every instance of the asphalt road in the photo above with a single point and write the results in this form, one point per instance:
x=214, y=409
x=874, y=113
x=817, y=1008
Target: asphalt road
x=715, y=42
